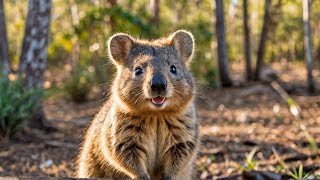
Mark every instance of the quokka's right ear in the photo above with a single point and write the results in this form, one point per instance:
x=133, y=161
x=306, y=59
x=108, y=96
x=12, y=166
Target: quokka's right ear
x=119, y=46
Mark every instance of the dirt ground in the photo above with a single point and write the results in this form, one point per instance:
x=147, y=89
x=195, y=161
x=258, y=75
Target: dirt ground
x=234, y=122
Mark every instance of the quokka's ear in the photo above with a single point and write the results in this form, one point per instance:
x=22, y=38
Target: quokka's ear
x=119, y=46
x=183, y=42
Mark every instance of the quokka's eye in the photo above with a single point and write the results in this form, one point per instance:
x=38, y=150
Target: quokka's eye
x=173, y=69
x=138, y=71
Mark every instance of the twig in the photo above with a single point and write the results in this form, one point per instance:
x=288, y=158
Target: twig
x=295, y=110
x=61, y=144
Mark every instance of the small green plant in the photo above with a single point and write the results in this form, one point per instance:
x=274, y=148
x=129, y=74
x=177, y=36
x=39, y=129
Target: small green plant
x=212, y=157
x=79, y=85
x=298, y=174
x=279, y=168
x=250, y=163
x=16, y=105
x=294, y=173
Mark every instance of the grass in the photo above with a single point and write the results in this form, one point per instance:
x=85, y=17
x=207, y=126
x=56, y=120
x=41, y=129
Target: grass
x=296, y=110
x=250, y=163
x=294, y=173
x=298, y=174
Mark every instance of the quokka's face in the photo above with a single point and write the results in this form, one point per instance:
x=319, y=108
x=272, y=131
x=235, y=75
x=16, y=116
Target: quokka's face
x=153, y=76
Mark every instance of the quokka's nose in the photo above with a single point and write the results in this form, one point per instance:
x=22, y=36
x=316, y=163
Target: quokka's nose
x=158, y=83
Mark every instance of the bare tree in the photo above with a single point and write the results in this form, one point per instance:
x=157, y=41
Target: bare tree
x=247, y=40
x=308, y=42
x=263, y=38
x=34, y=51
x=155, y=12
x=223, y=61
x=4, y=52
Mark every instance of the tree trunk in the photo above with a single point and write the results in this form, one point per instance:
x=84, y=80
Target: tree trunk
x=4, y=52
x=34, y=51
x=223, y=61
x=247, y=40
x=308, y=43
x=155, y=12
x=111, y=4
x=263, y=39
x=75, y=41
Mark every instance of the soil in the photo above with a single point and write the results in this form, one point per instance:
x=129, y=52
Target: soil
x=235, y=121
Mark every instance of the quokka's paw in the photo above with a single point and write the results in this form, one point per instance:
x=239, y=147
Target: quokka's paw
x=167, y=177
x=144, y=177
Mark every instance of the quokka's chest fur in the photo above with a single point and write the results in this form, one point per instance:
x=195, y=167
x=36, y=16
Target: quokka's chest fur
x=153, y=134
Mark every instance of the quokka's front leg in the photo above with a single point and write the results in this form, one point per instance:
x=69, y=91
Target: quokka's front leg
x=176, y=158
x=129, y=150
x=131, y=156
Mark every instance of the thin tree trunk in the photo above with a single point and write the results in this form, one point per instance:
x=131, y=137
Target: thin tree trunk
x=263, y=39
x=4, y=52
x=75, y=42
x=111, y=4
x=34, y=51
x=247, y=40
x=155, y=12
x=308, y=43
x=223, y=61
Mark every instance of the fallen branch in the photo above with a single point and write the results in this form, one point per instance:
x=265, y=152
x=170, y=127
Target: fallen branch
x=62, y=144
x=300, y=157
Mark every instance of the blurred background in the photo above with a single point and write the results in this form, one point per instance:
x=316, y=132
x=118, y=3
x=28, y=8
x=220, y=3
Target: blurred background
x=256, y=64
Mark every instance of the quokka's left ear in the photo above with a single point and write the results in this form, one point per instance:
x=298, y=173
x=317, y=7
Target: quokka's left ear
x=183, y=42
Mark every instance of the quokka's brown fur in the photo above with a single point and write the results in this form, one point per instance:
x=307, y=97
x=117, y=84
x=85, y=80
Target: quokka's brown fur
x=133, y=138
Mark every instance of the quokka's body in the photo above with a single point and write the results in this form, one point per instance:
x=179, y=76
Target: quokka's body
x=148, y=128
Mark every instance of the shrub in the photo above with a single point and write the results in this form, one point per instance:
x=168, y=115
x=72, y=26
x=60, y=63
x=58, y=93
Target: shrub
x=79, y=85
x=16, y=105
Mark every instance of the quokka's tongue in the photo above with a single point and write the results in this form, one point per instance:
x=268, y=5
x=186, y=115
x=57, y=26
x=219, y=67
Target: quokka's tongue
x=158, y=100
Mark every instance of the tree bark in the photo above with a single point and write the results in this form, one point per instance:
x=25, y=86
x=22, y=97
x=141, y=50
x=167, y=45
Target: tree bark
x=155, y=12
x=4, y=52
x=34, y=52
x=308, y=43
x=247, y=41
x=223, y=61
x=263, y=39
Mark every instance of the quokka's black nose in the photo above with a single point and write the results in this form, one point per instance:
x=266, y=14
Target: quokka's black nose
x=158, y=83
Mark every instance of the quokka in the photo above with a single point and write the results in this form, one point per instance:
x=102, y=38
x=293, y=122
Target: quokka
x=148, y=128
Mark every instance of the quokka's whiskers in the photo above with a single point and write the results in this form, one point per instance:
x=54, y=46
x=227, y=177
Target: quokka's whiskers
x=138, y=98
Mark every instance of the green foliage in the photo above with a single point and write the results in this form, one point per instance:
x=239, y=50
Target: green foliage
x=125, y=21
x=79, y=85
x=133, y=17
x=16, y=105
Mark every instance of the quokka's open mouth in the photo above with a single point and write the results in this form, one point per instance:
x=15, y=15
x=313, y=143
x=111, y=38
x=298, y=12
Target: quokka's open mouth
x=158, y=101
